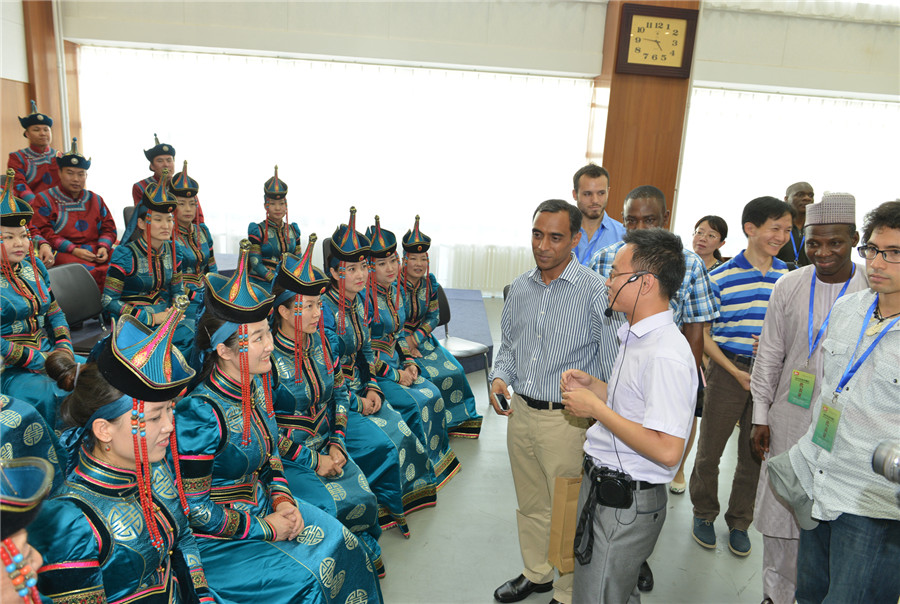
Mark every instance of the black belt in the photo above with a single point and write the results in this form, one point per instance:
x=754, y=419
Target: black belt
x=738, y=358
x=636, y=485
x=536, y=404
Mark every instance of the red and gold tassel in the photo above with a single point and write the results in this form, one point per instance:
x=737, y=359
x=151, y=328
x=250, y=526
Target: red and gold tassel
x=246, y=400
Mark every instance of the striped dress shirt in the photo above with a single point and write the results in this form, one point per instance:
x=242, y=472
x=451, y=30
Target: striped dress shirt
x=547, y=329
x=742, y=293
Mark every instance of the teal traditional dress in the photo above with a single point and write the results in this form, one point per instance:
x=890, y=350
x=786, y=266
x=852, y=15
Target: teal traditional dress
x=231, y=487
x=97, y=547
x=312, y=417
x=195, y=257
x=382, y=444
x=32, y=326
x=436, y=363
x=420, y=403
x=268, y=241
x=25, y=433
x=134, y=287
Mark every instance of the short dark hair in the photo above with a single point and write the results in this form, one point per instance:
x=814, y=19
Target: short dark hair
x=885, y=215
x=591, y=171
x=648, y=192
x=661, y=253
x=558, y=205
x=718, y=224
x=761, y=209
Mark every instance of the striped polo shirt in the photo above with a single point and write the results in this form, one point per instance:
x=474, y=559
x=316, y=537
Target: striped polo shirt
x=742, y=293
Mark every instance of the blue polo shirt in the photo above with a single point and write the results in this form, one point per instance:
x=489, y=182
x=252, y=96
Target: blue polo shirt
x=742, y=294
x=610, y=232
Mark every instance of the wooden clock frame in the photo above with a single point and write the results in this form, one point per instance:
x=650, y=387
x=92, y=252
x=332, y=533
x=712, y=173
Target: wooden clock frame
x=629, y=12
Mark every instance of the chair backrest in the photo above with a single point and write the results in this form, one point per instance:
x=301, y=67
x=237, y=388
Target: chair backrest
x=75, y=291
x=443, y=308
x=127, y=213
x=326, y=256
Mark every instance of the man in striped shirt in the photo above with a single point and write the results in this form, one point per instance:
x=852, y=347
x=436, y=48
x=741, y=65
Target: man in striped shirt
x=742, y=287
x=552, y=321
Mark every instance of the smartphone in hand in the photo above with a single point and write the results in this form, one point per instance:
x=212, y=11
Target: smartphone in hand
x=501, y=400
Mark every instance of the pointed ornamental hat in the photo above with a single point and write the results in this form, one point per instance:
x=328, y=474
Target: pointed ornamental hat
x=24, y=482
x=142, y=363
x=157, y=197
x=13, y=211
x=236, y=299
x=183, y=185
x=275, y=188
x=299, y=276
x=35, y=118
x=383, y=243
x=348, y=244
x=158, y=149
x=415, y=241
x=73, y=159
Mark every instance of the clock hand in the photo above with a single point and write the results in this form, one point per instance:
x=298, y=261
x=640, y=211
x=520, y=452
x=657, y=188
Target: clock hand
x=657, y=43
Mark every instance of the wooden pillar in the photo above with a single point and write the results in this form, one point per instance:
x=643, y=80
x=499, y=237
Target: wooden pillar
x=645, y=120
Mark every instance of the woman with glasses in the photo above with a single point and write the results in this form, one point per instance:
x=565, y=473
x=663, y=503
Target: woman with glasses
x=709, y=237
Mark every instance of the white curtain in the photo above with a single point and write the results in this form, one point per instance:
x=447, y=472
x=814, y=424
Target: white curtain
x=743, y=145
x=473, y=153
x=874, y=11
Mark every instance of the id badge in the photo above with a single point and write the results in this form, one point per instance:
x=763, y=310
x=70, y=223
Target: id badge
x=827, y=425
x=801, y=390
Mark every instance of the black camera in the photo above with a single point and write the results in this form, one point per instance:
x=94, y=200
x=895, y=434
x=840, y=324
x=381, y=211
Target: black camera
x=614, y=488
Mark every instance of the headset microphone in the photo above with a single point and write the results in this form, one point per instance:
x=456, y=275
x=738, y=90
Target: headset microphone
x=609, y=311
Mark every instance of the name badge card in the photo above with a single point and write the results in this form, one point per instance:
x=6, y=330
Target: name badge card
x=801, y=390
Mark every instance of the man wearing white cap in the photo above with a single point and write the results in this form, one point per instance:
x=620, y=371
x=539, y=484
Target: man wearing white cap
x=787, y=374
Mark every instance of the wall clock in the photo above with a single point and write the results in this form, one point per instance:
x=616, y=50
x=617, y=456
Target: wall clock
x=656, y=40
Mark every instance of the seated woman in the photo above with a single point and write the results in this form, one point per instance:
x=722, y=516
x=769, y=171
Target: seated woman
x=417, y=399
x=193, y=242
x=143, y=277
x=311, y=406
x=438, y=365
x=31, y=322
x=378, y=439
x=117, y=530
x=255, y=539
x=272, y=237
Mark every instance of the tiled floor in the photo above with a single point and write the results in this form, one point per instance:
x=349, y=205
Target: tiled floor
x=461, y=550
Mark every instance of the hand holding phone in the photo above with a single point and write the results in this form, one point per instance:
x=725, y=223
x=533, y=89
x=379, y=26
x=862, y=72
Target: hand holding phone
x=501, y=400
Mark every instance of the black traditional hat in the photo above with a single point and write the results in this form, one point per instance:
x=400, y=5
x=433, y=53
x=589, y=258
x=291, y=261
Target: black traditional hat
x=158, y=149
x=235, y=298
x=73, y=159
x=415, y=241
x=275, y=188
x=183, y=185
x=35, y=118
x=299, y=276
x=14, y=212
x=348, y=244
x=382, y=243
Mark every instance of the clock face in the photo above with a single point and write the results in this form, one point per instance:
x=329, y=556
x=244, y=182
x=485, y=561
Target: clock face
x=657, y=41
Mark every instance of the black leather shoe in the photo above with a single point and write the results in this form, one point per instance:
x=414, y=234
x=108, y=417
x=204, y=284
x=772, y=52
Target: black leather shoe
x=555, y=601
x=645, y=577
x=519, y=589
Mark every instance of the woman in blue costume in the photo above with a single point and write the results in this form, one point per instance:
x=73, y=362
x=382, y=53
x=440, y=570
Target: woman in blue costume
x=257, y=542
x=194, y=252
x=438, y=365
x=25, y=433
x=311, y=406
x=32, y=324
x=378, y=440
x=117, y=531
x=143, y=277
x=417, y=399
x=274, y=236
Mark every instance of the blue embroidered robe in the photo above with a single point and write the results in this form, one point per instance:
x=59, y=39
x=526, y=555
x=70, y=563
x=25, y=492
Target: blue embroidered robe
x=231, y=488
x=195, y=257
x=436, y=363
x=420, y=403
x=381, y=444
x=268, y=242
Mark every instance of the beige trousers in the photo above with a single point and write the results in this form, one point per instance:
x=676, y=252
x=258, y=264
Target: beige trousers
x=543, y=444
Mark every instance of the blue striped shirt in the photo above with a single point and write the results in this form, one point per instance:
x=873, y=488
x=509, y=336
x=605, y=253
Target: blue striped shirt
x=742, y=293
x=547, y=329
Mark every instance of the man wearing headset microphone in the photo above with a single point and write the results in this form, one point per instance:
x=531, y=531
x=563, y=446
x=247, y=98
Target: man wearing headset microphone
x=643, y=414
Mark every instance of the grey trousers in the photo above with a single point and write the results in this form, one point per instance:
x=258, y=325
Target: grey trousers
x=623, y=539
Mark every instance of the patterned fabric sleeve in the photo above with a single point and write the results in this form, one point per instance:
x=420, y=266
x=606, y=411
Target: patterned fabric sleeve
x=298, y=246
x=68, y=541
x=137, y=192
x=340, y=397
x=298, y=452
x=200, y=433
x=431, y=316
x=339, y=351
x=211, y=266
x=122, y=265
x=365, y=358
x=20, y=183
x=16, y=355
x=176, y=283
x=42, y=224
x=255, y=235
x=107, y=226
x=187, y=545
x=272, y=472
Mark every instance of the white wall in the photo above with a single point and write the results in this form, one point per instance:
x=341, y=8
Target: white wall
x=13, y=59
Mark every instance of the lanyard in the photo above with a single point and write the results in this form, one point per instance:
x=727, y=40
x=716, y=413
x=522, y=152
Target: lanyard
x=812, y=298
x=794, y=244
x=850, y=371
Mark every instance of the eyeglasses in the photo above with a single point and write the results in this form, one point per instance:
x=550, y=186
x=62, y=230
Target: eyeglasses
x=613, y=275
x=711, y=235
x=870, y=252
